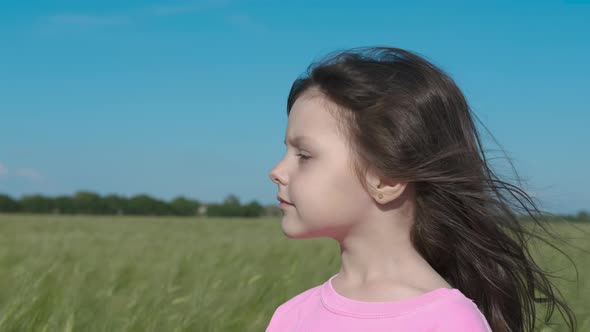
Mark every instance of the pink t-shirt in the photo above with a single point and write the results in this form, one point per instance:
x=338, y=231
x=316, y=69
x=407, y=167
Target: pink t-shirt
x=322, y=309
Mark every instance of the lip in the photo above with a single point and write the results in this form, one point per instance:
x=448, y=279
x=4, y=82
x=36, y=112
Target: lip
x=283, y=201
x=284, y=205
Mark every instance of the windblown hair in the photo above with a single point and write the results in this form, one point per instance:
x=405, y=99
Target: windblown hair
x=406, y=119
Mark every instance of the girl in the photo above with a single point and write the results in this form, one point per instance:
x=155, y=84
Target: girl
x=383, y=156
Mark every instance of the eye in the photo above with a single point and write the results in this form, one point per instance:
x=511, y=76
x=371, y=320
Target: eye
x=303, y=157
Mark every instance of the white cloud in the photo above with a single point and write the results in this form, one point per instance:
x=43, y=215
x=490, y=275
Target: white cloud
x=29, y=174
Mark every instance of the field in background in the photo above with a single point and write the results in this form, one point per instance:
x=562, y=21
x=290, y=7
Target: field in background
x=107, y=273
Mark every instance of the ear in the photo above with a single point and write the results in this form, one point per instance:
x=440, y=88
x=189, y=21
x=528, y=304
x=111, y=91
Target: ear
x=388, y=191
x=384, y=190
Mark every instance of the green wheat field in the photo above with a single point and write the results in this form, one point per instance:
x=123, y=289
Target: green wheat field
x=120, y=273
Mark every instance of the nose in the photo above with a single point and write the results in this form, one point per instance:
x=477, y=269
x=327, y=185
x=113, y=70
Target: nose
x=275, y=175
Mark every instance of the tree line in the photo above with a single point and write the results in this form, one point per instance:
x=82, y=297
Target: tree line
x=87, y=202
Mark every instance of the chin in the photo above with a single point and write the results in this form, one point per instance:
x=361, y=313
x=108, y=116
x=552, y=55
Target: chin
x=301, y=234
x=292, y=233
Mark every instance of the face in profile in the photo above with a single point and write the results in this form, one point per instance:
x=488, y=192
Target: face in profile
x=315, y=176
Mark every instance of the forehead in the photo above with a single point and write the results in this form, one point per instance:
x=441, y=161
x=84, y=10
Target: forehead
x=310, y=120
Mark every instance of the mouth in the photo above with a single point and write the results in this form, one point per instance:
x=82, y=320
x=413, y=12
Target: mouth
x=283, y=201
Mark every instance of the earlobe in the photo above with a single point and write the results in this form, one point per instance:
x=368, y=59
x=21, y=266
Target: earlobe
x=384, y=189
x=390, y=192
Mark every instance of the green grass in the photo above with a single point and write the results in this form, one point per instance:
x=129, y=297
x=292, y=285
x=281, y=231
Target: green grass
x=108, y=273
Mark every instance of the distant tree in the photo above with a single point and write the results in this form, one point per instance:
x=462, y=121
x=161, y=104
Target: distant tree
x=583, y=215
x=231, y=200
x=216, y=210
x=7, y=204
x=88, y=202
x=232, y=208
x=181, y=206
x=64, y=205
x=145, y=205
x=254, y=209
x=36, y=203
x=115, y=204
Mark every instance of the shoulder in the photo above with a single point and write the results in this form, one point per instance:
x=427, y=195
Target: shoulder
x=462, y=314
x=286, y=313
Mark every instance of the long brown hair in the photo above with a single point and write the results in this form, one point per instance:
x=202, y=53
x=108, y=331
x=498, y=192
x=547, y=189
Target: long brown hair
x=408, y=120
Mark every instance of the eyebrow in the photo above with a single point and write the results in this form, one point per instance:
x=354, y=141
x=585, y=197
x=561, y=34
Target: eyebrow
x=297, y=139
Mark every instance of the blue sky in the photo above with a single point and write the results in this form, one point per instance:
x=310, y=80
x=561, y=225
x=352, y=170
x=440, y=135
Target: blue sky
x=189, y=97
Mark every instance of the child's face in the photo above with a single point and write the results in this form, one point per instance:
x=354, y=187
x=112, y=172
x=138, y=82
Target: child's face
x=327, y=197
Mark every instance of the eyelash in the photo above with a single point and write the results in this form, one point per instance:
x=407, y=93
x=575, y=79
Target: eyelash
x=302, y=157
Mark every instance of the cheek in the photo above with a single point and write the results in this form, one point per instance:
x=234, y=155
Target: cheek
x=330, y=197
x=349, y=199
